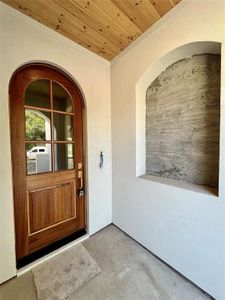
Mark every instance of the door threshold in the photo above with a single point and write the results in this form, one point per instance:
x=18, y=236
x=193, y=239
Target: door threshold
x=28, y=267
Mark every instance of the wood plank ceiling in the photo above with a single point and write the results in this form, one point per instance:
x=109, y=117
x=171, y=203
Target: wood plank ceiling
x=105, y=27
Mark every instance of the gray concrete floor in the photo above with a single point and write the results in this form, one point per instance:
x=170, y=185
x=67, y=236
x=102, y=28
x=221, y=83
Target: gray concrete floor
x=128, y=272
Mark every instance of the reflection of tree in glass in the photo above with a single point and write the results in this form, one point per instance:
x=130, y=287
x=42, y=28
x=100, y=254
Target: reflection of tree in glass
x=35, y=128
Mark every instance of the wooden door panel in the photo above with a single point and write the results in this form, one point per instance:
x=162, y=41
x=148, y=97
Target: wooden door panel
x=40, y=203
x=51, y=205
x=64, y=202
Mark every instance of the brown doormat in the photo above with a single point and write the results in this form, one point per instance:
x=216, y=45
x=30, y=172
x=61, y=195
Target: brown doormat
x=60, y=276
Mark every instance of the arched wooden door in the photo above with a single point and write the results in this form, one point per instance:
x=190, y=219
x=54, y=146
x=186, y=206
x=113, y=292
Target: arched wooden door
x=47, y=157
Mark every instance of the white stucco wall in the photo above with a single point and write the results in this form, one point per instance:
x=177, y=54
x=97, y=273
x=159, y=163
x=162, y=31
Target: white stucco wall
x=24, y=40
x=184, y=227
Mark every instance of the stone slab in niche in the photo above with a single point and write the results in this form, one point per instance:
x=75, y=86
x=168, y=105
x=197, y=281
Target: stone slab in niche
x=182, y=121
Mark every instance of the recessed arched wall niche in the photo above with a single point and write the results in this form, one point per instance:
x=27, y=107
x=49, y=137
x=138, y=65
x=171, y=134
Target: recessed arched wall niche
x=182, y=121
x=178, y=116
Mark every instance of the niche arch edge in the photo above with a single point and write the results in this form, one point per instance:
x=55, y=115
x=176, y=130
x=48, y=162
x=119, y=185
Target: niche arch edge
x=150, y=74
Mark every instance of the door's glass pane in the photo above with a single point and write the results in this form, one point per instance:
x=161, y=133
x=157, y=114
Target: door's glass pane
x=63, y=127
x=38, y=158
x=63, y=156
x=61, y=99
x=38, y=93
x=37, y=125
